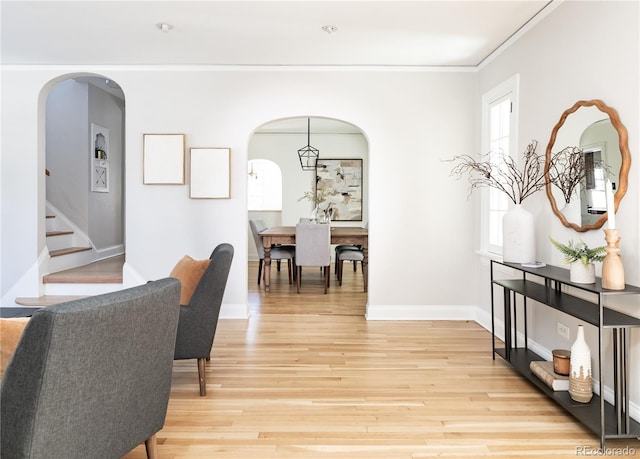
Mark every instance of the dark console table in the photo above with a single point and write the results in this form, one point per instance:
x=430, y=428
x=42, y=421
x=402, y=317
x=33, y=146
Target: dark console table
x=545, y=285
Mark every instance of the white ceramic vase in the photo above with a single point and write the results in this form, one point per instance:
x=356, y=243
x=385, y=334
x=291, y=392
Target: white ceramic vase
x=580, y=273
x=580, y=388
x=518, y=236
x=571, y=211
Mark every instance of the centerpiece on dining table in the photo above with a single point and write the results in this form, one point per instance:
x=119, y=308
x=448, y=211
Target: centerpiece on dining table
x=318, y=214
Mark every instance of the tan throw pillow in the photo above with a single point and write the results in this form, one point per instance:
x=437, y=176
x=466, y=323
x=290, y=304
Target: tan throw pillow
x=189, y=272
x=10, y=333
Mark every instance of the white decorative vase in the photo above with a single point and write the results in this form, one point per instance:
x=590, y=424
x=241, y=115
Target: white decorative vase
x=580, y=388
x=580, y=273
x=571, y=211
x=518, y=236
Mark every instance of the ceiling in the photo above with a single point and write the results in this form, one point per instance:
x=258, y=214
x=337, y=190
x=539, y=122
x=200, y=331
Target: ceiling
x=417, y=33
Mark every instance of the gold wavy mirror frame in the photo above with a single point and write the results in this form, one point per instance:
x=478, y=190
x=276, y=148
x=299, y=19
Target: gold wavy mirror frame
x=625, y=162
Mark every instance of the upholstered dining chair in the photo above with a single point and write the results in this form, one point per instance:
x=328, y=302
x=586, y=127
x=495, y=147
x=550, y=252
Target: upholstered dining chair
x=354, y=255
x=281, y=252
x=345, y=247
x=313, y=248
x=199, y=319
x=91, y=378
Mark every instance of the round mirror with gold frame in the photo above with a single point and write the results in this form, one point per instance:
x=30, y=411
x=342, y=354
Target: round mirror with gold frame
x=592, y=130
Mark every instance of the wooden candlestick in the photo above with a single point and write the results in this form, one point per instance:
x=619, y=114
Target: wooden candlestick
x=612, y=269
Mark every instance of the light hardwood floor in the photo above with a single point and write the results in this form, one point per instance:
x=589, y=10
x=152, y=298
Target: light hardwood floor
x=306, y=376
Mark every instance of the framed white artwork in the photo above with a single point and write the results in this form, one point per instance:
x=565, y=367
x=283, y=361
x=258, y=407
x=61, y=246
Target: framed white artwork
x=163, y=159
x=210, y=173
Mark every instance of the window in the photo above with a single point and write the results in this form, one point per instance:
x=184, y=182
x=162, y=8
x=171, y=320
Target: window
x=499, y=124
x=264, y=185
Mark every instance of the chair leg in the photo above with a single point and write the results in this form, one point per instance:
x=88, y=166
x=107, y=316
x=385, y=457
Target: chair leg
x=327, y=271
x=150, y=445
x=289, y=269
x=295, y=270
x=355, y=263
x=340, y=267
x=365, y=277
x=202, y=377
x=299, y=278
x=259, y=270
x=279, y=262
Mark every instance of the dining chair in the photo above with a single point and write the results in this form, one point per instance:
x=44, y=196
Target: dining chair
x=313, y=248
x=355, y=256
x=278, y=253
x=340, y=248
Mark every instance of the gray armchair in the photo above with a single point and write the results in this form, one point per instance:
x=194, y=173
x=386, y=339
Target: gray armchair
x=199, y=319
x=91, y=378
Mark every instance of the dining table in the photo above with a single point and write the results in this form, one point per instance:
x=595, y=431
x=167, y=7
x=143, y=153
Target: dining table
x=355, y=235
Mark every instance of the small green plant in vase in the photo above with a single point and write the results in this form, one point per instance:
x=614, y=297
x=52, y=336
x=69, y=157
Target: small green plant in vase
x=581, y=260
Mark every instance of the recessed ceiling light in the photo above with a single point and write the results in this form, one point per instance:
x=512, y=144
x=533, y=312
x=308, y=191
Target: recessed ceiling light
x=329, y=28
x=164, y=26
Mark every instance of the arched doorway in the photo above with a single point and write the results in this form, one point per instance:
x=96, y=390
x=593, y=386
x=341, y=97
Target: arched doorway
x=278, y=141
x=84, y=161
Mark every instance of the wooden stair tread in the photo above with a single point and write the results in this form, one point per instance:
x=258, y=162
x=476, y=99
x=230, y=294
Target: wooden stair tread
x=68, y=250
x=47, y=300
x=58, y=233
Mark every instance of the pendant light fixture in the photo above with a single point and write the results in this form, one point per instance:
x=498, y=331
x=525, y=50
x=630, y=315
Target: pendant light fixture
x=308, y=155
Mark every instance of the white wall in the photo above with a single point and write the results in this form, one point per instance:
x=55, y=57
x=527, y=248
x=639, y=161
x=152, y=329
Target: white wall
x=106, y=210
x=67, y=155
x=412, y=121
x=583, y=50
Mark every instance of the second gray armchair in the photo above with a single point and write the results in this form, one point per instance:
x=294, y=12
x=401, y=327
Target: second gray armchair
x=199, y=319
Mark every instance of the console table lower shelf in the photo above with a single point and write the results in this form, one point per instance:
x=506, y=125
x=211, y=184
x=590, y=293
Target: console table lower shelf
x=587, y=413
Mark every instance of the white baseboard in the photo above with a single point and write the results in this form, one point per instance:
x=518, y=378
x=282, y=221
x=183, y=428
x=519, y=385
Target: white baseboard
x=420, y=312
x=234, y=311
x=109, y=252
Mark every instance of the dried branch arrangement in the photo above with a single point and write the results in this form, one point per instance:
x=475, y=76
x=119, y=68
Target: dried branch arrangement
x=567, y=169
x=499, y=171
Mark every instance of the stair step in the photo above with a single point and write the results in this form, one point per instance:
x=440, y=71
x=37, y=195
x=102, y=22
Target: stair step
x=67, y=251
x=58, y=233
x=47, y=300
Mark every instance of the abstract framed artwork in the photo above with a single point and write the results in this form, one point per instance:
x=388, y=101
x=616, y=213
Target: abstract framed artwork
x=339, y=188
x=210, y=173
x=163, y=159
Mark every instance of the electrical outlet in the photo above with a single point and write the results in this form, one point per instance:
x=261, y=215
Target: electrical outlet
x=563, y=330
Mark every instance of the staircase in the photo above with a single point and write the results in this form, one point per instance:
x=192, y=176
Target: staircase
x=68, y=248
x=72, y=269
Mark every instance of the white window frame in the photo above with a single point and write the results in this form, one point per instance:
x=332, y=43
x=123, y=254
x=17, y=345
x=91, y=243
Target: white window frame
x=509, y=88
x=269, y=178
